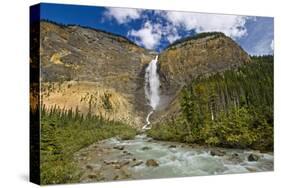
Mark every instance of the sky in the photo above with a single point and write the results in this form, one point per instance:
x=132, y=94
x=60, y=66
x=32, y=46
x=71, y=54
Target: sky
x=156, y=29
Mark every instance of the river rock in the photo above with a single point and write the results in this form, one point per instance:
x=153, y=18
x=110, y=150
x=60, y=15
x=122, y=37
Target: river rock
x=92, y=176
x=137, y=163
x=172, y=146
x=126, y=153
x=251, y=169
x=217, y=152
x=89, y=167
x=124, y=162
x=119, y=147
x=253, y=157
x=120, y=164
x=152, y=162
x=117, y=166
x=146, y=148
x=149, y=139
x=235, y=158
x=110, y=162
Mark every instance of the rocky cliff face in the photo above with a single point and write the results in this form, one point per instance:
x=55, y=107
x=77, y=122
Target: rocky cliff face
x=102, y=73
x=94, y=71
x=202, y=55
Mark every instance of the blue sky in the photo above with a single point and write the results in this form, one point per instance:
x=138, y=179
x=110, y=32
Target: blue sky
x=155, y=29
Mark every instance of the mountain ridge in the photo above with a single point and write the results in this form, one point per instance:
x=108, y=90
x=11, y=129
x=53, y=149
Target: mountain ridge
x=90, y=28
x=72, y=55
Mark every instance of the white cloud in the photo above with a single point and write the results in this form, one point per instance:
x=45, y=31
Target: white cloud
x=123, y=15
x=170, y=33
x=167, y=24
x=149, y=35
x=272, y=45
x=231, y=25
x=173, y=37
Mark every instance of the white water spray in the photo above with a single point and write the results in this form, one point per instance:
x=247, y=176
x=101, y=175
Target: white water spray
x=151, y=88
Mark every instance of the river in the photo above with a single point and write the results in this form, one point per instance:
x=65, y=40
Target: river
x=145, y=158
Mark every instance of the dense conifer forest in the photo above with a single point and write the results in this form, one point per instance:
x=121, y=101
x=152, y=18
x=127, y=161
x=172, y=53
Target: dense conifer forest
x=229, y=109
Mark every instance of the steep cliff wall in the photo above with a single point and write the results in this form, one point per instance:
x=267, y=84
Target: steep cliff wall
x=78, y=62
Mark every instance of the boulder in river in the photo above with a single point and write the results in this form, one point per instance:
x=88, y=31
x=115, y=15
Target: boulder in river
x=117, y=166
x=251, y=169
x=146, y=148
x=217, y=152
x=253, y=157
x=172, y=146
x=137, y=163
x=149, y=139
x=119, y=147
x=152, y=162
x=110, y=162
x=126, y=152
x=235, y=158
x=124, y=162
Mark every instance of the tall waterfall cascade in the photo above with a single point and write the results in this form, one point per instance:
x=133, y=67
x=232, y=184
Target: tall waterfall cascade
x=151, y=88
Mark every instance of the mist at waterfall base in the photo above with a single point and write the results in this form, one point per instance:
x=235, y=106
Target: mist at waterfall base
x=151, y=88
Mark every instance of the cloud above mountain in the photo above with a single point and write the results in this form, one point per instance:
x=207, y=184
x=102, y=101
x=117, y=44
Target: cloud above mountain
x=148, y=36
x=231, y=25
x=157, y=26
x=123, y=15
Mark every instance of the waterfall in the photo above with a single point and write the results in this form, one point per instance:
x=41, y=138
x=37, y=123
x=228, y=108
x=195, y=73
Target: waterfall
x=151, y=88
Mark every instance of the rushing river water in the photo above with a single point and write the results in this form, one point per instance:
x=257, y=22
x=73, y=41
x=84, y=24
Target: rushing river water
x=115, y=159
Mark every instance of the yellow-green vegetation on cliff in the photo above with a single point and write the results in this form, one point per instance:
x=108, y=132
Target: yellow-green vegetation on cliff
x=64, y=132
x=229, y=109
x=90, y=97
